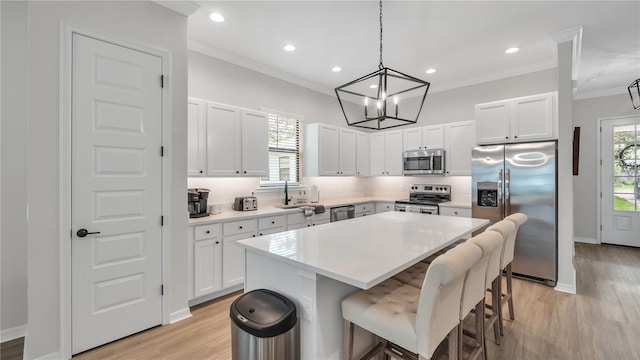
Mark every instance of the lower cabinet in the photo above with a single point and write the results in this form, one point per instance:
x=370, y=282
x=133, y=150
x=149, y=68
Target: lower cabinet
x=455, y=211
x=365, y=209
x=384, y=206
x=207, y=252
x=232, y=254
x=298, y=220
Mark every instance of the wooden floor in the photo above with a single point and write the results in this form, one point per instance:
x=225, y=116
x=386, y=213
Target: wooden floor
x=12, y=349
x=601, y=322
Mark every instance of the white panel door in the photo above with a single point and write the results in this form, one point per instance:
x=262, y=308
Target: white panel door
x=620, y=147
x=412, y=139
x=207, y=265
x=433, y=137
x=492, y=122
x=233, y=260
x=363, y=164
x=347, y=152
x=116, y=124
x=328, y=151
x=196, y=137
x=377, y=154
x=255, y=144
x=223, y=140
x=532, y=118
x=460, y=142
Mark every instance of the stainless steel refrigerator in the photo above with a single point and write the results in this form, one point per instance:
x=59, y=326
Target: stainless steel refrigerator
x=513, y=178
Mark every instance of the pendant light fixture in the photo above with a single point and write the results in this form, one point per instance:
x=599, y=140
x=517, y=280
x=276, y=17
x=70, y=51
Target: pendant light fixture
x=634, y=93
x=383, y=99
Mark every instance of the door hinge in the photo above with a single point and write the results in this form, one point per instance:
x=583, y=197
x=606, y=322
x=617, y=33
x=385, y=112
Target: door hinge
x=601, y=162
x=161, y=150
x=600, y=194
x=600, y=128
x=162, y=81
x=161, y=220
x=162, y=290
x=600, y=227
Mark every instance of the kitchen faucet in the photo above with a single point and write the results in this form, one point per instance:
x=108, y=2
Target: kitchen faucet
x=286, y=193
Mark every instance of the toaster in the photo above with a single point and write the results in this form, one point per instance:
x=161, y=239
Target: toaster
x=245, y=203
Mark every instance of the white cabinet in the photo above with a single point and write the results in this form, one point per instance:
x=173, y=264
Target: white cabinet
x=330, y=151
x=363, y=164
x=460, y=140
x=298, y=220
x=384, y=207
x=272, y=224
x=527, y=118
x=226, y=141
x=386, y=153
x=207, y=259
x=422, y=138
x=197, y=137
x=232, y=254
x=364, y=209
x=455, y=211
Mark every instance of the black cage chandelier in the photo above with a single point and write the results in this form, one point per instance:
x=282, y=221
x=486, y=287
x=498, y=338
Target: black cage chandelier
x=384, y=99
x=634, y=93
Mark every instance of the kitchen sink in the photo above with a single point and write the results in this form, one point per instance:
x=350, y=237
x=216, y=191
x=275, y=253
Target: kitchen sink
x=290, y=206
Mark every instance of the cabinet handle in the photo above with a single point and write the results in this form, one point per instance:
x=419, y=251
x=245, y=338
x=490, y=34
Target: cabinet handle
x=245, y=171
x=515, y=137
x=201, y=171
x=237, y=172
x=240, y=227
x=506, y=137
x=207, y=232
x=455, y=212
x=217, y=242
x=273, y=222
x=260, y=234
x=254, y=235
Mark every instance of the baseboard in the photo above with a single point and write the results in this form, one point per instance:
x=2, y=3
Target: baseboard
x=13, y=333
x=585, y=240
x=567, y=288
x=52, y=356
x=179, y=315
x=217, y=294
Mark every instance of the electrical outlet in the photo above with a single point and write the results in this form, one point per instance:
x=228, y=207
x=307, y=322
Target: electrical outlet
x=307, y=307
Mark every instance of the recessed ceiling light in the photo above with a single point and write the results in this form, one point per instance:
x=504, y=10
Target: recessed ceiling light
x=430, y=71
x=289, y=47
x=336, y=69
x=216, y=17
x=512, y=50
x=373, y=86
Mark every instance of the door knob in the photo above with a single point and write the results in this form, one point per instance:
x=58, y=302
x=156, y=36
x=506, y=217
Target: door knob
x=84, y=232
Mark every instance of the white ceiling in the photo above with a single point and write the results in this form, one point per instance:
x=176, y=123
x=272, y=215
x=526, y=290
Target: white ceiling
x=464, y=40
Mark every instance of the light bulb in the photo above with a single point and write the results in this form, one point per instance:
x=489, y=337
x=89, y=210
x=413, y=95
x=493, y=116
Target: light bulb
x=366, y=101
x=395, y=100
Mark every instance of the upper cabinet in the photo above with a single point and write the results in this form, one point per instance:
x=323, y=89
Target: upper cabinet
x=386, y=153
x=460, y=140
x=528, y=118
x=330, y=151
x=422, y=138
x=197, y=137
x=228, y=140
x=363, y=164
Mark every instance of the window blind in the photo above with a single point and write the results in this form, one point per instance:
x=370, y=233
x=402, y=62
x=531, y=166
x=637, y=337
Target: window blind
x=284, y=150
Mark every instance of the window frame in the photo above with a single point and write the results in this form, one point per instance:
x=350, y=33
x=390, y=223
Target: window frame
x=266, y=185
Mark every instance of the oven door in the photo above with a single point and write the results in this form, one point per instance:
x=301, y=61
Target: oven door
x=437, y=162
x=417, y=163
x=422, y=209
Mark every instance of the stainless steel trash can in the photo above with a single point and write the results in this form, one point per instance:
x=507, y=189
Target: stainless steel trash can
x=263, y=327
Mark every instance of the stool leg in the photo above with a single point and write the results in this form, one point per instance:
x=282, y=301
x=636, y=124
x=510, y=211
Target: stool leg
x=499, y=302
x=347, y=338
x=509, y=291
x=453, y=344
x=495, y=307
x=480, y=340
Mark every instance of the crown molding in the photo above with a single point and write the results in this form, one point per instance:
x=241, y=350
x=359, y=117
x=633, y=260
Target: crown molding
x=186, y=8
x=573, y=34
x=600, y=93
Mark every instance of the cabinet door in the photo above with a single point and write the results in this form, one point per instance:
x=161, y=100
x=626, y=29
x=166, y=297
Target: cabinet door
x=433, y=137
x=347, y=152
x=384, y=207
x=460, y=142
x=532, y=118
x=233, y=260
x=412, y=139
x=393, y=152
x=492, y=122
x=363, y=164
x=207, y=266
x=255, y=144
x=377, y=154
x=196, y=137
x=223, y=140
x=328, y=150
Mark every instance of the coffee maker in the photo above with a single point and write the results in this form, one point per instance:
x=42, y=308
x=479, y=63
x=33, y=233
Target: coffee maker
x=197, y=200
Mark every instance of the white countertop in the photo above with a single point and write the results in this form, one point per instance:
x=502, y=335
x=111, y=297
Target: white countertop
x=364, y=251
x=271, y=210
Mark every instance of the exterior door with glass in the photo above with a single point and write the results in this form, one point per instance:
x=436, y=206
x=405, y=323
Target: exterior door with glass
x=620, y=172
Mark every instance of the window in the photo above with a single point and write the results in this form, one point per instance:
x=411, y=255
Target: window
x=284, y=149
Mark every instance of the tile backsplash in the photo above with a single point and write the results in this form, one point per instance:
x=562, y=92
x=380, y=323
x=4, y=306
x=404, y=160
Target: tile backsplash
x=224, y=190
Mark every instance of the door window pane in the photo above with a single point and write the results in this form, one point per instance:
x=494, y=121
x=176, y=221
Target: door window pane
x=626, y=180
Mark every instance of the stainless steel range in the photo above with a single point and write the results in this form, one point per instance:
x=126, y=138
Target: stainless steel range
x=424, y=198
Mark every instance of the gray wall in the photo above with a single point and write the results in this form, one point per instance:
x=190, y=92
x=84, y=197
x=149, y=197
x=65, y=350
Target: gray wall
x=14, y=169
x=137, y=22
x=585, y=115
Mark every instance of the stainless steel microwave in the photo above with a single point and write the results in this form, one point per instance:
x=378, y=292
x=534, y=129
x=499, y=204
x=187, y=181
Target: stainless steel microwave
x=424, y=162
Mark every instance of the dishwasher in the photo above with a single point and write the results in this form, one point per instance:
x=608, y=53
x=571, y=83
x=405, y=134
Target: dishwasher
x=343, y=213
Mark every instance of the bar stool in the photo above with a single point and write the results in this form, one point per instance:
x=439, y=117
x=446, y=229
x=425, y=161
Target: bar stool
x=490, y=243
x=517, y=219
x=507, y=229
x=473, y=293
x=410, y=320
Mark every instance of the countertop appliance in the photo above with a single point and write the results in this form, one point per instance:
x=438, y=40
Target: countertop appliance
x=424, y=198
x=514, y=178
x=245, y=203
x=197, y=202
x=423, y=162
x=342, y=213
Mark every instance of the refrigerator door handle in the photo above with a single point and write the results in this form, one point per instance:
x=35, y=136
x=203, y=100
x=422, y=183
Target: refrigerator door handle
x=500, y=195
x=507, y=193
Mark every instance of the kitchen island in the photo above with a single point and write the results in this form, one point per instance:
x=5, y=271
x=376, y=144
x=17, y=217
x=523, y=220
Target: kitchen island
x=318, y=267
